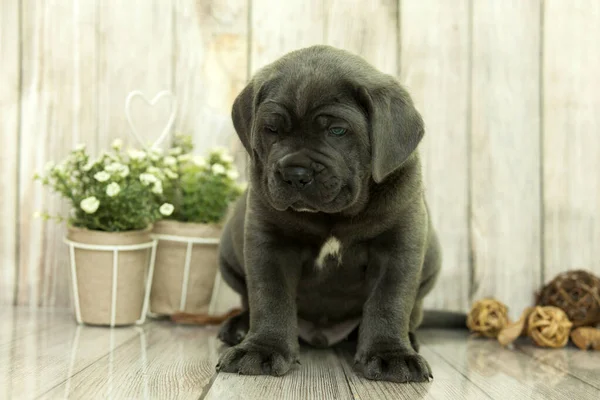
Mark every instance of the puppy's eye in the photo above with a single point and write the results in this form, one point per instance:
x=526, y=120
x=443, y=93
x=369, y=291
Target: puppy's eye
x=270, y=129
x=337, y=131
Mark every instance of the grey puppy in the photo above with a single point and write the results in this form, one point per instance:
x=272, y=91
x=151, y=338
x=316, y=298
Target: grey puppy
x=334, y=231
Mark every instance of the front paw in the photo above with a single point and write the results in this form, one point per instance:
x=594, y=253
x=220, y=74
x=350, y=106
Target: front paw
x=393, y=365
x=252, y=358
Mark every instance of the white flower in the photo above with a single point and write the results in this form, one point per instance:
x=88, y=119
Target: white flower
x=80, y=147
x=156, y=154
x=175, y=151
x=62, y=167
x=108, y=158
x=227, y=158
x=153, y=170
x=102, y=176
x=114, y=167
x=113, y=189
x=170, y=161
x=170, y=174
x=147, y=179
x=157, y=188
x=199, y=161
x=117, y=144
x=124, y=171
x=184, y=157
x=233, y=174
x=218, y=169
x=90, y=204
x=166, y=209
x=220, y=150
x=37, y=214
x=89, y=165
x=49, y=166
x=136, y=154
x=75, y=174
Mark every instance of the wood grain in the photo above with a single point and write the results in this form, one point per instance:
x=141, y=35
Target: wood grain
x=10, y=75
x=58, y=111
x=44, y=354
x=163, y=362
x=319, y=376
x=135, y=52
x=505, y=151
x=448, y=383
x=210, y=56
x=583, y=365
x=571, y=136
x=281, y=26
x=36, y=363
x=435, y=70
x=504, y=373
x=19, y=322
x=349, y=26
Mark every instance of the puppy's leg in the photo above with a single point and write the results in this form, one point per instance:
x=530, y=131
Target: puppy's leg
x=416, y=317
x=415, y=320
x=235, y=328
x=271, y=345
x=384, y=349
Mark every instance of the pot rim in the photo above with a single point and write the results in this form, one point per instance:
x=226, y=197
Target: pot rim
x=169, y=221
x=146, y=230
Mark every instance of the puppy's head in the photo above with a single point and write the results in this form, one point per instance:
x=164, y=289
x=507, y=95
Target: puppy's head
x=321, y=125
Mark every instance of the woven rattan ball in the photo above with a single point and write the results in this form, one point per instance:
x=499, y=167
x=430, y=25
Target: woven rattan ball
x=549, y=327
x=575, y=292
x=487, y=317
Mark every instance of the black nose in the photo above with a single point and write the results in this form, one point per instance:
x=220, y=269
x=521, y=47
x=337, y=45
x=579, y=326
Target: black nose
x=297, y=176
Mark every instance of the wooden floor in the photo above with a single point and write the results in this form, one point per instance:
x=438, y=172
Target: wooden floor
x=44, y=354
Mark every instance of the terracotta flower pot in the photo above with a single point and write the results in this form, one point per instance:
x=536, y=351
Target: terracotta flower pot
x=94, y=269
x=168, y=287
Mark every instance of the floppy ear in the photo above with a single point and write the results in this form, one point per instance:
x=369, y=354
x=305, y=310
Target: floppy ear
x=396, y=127
x=242, y=114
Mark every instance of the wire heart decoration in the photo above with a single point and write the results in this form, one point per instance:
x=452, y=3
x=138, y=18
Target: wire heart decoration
x=166, y=130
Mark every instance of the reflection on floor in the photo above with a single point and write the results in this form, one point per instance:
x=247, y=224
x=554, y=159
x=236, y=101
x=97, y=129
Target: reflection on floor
x=44, y=354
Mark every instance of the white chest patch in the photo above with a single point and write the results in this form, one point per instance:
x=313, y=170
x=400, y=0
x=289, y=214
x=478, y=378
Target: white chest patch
x=331, y=248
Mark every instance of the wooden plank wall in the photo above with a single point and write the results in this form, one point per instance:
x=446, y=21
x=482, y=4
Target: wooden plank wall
x=507, y=90
x=10, y=82
x=505, y=150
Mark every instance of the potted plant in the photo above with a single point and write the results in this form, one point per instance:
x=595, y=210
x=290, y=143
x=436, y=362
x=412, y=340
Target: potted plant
x=200, y=191
x=114, y=201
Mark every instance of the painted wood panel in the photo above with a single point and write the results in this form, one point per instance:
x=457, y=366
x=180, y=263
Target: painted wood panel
x=135, y=52
x=59, y=106
x=210, y=69
x=505, y=151
x=507, y=91
x=159, y=362
x=349, y=25
x=10, y=75
x=435, y=69
x=278, y=27
x=571, y=136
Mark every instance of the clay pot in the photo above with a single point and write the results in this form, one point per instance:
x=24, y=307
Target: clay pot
x=169, y=295
x=94, y=274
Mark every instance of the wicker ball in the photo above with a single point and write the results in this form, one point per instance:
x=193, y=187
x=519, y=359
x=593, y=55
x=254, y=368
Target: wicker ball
x=549, y=327
x=575, y=292
x=487, y=317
